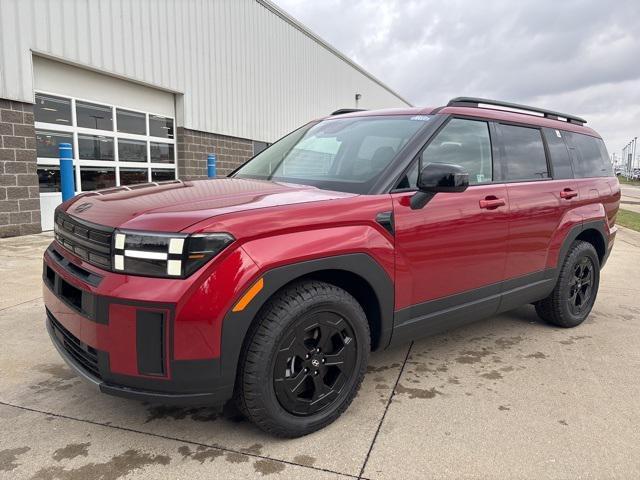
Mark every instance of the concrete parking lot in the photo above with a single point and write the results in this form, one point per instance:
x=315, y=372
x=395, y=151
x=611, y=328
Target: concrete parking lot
x=509, y=397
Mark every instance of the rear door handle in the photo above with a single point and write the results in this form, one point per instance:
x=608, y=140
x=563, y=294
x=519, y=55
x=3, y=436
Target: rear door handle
x=492, y=202
x=568, y=193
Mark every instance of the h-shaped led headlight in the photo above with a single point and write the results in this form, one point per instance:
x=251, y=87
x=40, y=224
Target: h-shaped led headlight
x=165, y=254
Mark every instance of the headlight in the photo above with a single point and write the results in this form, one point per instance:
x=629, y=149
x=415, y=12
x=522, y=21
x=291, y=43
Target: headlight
x=165, y=254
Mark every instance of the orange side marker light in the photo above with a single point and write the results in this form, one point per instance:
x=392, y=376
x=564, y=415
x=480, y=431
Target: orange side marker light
x=247, y=297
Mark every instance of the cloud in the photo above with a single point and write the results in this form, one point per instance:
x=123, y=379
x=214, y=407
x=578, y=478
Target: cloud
x=578, y=56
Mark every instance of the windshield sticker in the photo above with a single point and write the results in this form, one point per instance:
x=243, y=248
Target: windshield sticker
x=422, y=118
x=558, y=134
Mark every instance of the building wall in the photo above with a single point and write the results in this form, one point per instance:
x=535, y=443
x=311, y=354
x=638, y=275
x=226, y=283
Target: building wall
x=194, y=146
x=19, y=196
x=242, y=68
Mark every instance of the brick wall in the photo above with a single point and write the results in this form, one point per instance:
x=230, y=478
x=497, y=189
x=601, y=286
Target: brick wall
x=19, y=196
x=194, y=146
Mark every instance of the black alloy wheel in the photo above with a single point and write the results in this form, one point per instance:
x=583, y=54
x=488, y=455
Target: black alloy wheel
x=581, y=286
x=314, y=362
x=304, y=359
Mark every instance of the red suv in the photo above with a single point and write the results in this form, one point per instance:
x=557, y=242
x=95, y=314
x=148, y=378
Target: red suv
x=355, y=232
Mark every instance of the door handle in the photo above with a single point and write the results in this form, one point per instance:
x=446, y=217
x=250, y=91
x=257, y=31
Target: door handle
x=568, y=193
x=492, y=202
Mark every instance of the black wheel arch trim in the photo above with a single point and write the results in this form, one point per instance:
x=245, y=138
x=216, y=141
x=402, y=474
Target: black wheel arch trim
x=236, y=324
x=574, y=233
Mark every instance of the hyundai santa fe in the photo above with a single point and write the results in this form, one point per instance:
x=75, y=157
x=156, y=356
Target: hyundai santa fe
x=355, y=232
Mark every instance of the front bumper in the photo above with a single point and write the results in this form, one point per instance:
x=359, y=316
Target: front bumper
x=162, y=345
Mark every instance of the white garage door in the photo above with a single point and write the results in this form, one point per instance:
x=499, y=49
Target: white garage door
x=122, y=133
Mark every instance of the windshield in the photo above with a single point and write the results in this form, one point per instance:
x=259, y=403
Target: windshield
x=341, y=154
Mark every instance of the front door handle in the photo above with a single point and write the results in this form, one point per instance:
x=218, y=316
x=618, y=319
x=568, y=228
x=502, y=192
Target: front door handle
x=568, y=193
x=492, y=202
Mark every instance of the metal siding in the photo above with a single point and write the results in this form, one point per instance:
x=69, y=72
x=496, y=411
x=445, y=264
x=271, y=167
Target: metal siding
x=244, y=70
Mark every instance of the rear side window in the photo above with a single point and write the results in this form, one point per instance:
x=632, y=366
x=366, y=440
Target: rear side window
x=560, y=160
x=466, y=143
x=524, y=154
x=590, y=158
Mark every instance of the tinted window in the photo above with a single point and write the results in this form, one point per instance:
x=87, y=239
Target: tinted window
x=47, y=143
x=129, y=176
x=524, y=153
x=94, y=147
x=49, y=178
x=160, y=126
x=560, y=161
x=466, y=143
x=131, y=122
x=161, y=152
x=161, y=175
x=259, y=147
x=589, y=156
x=93, y=178
x=132, y=150
x=50, y=109
x=89, y=115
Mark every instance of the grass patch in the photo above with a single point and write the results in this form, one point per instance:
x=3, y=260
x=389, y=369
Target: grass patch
x=627, y=181
x=628, y=219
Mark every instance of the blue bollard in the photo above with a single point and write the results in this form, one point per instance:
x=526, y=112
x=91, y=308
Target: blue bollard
x=211, y=165
x=66, y=171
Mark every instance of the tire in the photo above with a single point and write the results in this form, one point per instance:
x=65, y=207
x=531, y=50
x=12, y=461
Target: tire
x=575, y=292
x=309, y=325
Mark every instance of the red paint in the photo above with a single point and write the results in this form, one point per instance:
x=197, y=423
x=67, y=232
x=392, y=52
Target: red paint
x=459, y=242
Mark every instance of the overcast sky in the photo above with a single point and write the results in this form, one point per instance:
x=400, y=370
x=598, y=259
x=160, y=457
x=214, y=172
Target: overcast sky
x=577, y=56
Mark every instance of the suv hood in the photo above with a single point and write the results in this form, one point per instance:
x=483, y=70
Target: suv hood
x=174, y=206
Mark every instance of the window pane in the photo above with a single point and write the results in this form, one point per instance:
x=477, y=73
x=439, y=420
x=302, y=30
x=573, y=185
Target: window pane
x=131, y=122
x=158, y=175
x=559, y=153
x=588, y=157
x=93, y=147
x=524, y=153
x=466, y=143
x=52, y=109
x=129, y=176
x=89, y=115
x=160, y=126
x=93, y=178
x=132, y=150
x=49, y=178
x=162, y=152
x=47, y=143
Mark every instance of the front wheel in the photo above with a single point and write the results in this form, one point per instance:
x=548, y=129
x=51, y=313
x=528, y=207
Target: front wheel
x=573, y=297
x=304, y=360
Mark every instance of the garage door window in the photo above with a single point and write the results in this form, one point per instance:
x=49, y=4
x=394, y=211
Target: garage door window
x=111, y=145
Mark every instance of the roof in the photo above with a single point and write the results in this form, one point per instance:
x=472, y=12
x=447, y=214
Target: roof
x=305, y=30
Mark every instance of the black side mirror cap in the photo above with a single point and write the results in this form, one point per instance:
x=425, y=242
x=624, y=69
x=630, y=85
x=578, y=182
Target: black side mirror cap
x=439, y=178
x=443, y=177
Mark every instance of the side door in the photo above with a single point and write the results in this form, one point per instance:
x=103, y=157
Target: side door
x=541, y=194
x=450, y=254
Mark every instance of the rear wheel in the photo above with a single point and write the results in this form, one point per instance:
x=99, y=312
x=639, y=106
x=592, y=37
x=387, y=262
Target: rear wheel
x=304, y=360
x=573, y=297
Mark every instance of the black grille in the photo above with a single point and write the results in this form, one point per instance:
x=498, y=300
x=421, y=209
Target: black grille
x=89, y=241
x=82, y=354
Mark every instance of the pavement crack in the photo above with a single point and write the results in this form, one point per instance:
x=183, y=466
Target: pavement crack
x=18, y=304
x=181, y=440
x=386, y=408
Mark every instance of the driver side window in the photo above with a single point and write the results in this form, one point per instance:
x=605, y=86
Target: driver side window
x=461, y=142
x=466, y=143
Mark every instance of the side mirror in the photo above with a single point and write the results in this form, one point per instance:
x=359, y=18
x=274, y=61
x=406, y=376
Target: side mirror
x=436, y=178
x=443, y=177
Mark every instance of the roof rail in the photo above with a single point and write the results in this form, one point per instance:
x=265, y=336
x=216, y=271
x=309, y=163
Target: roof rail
x=347, y=110
x=476, y=102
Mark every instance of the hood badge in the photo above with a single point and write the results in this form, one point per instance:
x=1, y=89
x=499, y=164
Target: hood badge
x=83, y=207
